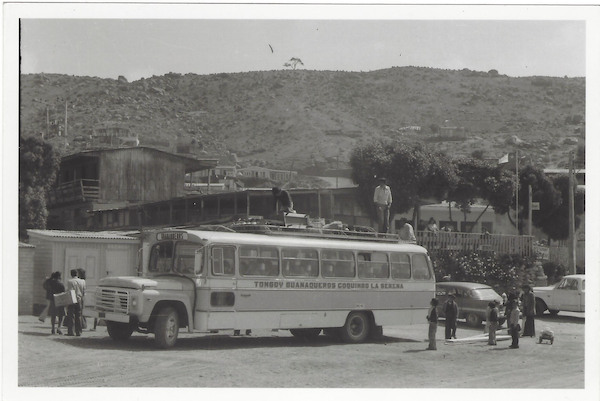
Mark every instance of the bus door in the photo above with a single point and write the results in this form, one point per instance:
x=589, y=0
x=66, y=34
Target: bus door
x=222, y=288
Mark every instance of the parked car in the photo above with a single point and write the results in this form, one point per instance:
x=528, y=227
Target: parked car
x=472, y=300
x=566, y=295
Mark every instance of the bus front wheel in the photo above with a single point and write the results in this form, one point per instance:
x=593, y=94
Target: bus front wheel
x=357, y=327
x=166, y=328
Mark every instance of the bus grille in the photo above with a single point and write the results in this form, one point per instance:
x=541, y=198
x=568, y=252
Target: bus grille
x=110, y=300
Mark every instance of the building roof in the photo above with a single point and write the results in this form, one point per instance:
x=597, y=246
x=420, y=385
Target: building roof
x=191, y=164
x=24, y=245
x=106, y=235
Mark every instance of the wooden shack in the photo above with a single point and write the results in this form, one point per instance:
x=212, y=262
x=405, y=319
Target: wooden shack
x=101, y=254
x=93, y=179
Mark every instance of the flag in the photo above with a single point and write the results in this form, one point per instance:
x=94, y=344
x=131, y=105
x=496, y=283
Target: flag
x=503, y=159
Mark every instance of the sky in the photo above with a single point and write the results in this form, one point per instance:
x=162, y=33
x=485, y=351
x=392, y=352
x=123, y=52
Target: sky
x=141, y=48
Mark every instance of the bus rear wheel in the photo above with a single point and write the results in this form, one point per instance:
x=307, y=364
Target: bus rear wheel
x=308, y=334
x=166, y=328
x=119, y=331
x=357, y=328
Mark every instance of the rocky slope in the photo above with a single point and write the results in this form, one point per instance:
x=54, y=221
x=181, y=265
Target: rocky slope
x=300, y=118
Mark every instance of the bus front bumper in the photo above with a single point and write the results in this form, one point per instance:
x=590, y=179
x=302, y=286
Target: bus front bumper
x=114, y=317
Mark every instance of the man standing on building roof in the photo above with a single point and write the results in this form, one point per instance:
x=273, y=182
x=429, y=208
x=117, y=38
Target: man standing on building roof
x=383, y=201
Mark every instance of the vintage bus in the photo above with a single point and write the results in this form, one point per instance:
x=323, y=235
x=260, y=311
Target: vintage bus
x=210, y=281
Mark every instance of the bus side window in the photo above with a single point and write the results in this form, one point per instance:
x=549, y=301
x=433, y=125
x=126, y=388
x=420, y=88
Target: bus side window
x=375, y=265
x=300, y=262
x=420, y=268
x=223, y=261
x=400, y=266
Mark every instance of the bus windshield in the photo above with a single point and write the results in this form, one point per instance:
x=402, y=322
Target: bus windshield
x=182, y=257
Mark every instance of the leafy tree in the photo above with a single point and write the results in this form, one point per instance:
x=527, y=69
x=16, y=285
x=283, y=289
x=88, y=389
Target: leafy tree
x=556, y=221
x=553, y=196
x=478, y=179
x=38, y=163
x=414, y=174
x=293, y=63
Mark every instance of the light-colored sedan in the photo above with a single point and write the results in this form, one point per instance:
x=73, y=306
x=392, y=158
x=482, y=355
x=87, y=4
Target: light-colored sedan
x=566, y=295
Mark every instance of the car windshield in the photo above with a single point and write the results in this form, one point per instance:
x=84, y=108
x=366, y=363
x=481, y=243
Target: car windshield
x=485, y=293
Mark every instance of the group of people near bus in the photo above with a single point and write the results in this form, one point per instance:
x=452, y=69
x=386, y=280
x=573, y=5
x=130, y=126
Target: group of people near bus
x=513, y=304
x=70, y=316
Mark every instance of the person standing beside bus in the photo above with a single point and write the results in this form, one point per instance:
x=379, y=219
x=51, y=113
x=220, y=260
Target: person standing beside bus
x=451, y=314
x=55, y=286
x=432, y=318
x=383, y=201
x=74, y=311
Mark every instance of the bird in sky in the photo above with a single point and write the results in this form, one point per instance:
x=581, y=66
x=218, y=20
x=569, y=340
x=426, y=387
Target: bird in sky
x=271, y=48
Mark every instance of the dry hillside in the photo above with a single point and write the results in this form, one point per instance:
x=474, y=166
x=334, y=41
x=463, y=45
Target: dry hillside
x=301, y=118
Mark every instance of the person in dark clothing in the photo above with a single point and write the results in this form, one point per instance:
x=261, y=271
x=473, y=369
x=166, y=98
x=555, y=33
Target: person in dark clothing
x=493, y=320
x=528, y=311
x=284, y=199
x=55, y=286
x=451, y=314
x=432, y=318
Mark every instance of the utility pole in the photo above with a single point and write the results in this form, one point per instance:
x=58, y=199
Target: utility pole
x=530, y=222
x=572, y=246
x=517, y=193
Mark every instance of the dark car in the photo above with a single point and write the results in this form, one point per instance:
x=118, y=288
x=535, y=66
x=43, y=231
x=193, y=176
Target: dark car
x=472, y=300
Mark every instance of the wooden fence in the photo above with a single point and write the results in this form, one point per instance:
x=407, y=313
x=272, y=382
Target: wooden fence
x=512, y=244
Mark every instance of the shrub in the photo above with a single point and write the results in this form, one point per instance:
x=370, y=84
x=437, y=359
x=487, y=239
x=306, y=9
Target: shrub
x=501, y=271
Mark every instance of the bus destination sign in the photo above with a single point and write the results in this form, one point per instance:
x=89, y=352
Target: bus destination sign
x=172, y=236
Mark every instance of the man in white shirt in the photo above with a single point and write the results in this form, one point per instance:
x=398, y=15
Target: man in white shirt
x=383, y=200
x=74, y=311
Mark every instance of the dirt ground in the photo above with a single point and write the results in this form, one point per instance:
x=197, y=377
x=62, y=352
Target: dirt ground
x=270, y=359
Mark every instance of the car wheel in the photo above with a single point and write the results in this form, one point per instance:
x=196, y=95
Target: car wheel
x=473, y=319
x=553, y=312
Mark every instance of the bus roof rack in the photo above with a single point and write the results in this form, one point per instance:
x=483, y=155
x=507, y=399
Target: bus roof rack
x=332, y=232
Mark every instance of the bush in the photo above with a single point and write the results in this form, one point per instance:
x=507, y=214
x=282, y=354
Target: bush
x=500, y=271
x=554, y=271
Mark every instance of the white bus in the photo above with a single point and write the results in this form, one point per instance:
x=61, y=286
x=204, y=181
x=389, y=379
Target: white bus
x=208, y=281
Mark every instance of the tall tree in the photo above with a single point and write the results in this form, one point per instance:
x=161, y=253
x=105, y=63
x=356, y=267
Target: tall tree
x=478, y=179
x=38, y=163
x=414, y=174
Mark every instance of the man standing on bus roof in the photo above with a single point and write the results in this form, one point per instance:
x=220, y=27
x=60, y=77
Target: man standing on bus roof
x=383, y=201
x=284, y=198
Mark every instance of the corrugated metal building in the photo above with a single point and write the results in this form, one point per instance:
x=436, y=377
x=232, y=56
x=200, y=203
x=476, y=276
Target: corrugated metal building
x=101, y=254
x=26, y=255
